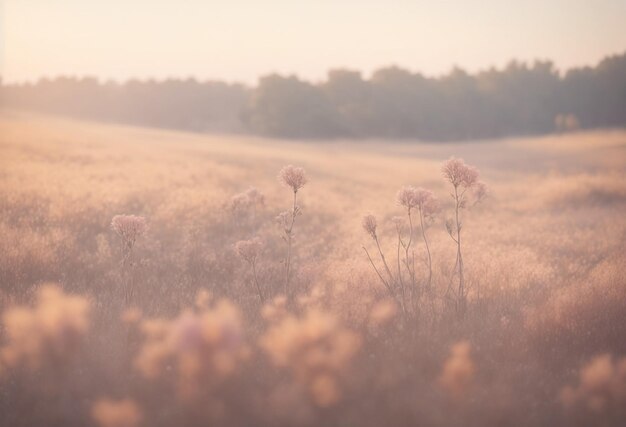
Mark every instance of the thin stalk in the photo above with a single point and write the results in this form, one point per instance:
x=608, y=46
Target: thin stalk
x=402, y=290
x=289, y=236
x=256, y=282
x=382, y=256
x=378, y=272
x=461, y=293
x=430, y=262
x=406, y=250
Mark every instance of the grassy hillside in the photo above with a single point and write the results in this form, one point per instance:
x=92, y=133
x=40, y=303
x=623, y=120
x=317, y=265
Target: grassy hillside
x=543, y=257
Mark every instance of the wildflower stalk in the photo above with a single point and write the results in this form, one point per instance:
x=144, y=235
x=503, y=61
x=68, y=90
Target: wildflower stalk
x=369, y=225
x=385, y=283
x=289, y=233
x=459, y=254
x=384, y=260
x=294, y=178
x=249, y=250
x=462, y=177
x=430, y=262
x=256, y=282
x=129, y=228
x=406, y=253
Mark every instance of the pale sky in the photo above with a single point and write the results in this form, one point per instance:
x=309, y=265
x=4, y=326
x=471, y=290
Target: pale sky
x=239, y=40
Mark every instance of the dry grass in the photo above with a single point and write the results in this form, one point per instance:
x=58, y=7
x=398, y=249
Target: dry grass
x=544, y=268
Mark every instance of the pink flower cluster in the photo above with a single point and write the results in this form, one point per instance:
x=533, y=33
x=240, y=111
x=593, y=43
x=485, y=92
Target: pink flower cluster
x=293, y=177
x=242, y=203
x=459, y=173
x=369, y=225
x=411, y=197
x=249, y=249
x=129, y=227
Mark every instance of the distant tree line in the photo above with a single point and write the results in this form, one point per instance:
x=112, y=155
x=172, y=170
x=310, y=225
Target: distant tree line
x=176, y=104
x=520, y=99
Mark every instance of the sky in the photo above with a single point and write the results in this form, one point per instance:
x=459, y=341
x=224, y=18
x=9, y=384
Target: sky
x=240, y=40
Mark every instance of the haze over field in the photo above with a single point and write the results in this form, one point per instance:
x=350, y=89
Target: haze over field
x=543, y=266
x=289, y=213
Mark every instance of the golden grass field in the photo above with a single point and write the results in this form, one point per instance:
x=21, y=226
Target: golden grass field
x=543, y=341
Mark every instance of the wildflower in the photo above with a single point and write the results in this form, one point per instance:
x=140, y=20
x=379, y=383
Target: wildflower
x=601, y=388
x=315, y=348
x=399, y=222
x=458, y=371
x=275, y=309
x=480, y=191
x=249, y=249
x=49, y=331
x=129, y=227
x=283, y=220
x=458, y=173
x=203, y=347
x=407, y=197
x=427, y=202
x=255, y=197
x=246, y=203
x=383, y=311
x=369, y=225
x=463, y=178
x=293, y=177
x=239, y=203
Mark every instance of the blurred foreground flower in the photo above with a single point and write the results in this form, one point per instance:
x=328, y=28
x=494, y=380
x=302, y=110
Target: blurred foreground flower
x=120, y=413
x=203, y=347
x=458, y=371
x=601, y=387
x=48, y=333
x=316, y=348
x=382, y=312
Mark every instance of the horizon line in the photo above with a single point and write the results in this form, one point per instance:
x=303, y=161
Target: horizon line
x=365, y=74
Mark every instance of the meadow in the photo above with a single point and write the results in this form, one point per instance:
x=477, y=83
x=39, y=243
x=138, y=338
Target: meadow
x=221, y=302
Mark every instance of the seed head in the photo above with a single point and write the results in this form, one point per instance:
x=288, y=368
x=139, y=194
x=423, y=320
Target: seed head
x=458, y=173
x=293, y=177
x=369, y=225
x=407, y=197
x=249, y=249
x=129, y=227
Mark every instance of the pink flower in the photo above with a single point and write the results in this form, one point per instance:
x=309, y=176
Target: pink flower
x=129, y=227
x=407, y=197
x=458, y=173
x=283, y=219
x=255, y=197
x=427, y=202
x=399, y=222
x=369, y=225
x=249, y=249
x=293, y=177
x=480, y=191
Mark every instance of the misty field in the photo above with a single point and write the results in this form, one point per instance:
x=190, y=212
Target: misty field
x=161, y=278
